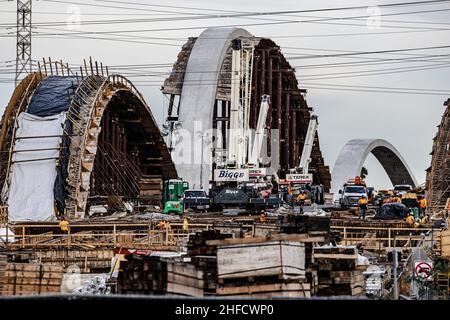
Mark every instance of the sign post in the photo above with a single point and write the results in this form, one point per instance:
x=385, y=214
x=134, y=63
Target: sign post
x=424, y=270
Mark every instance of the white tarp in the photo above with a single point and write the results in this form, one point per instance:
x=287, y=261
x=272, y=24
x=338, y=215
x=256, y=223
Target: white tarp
x=31, y=195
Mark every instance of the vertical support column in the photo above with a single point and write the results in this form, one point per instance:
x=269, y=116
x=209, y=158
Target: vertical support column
x=287, y=121
x=262, y=81
x=269, y=113
x=255, y=90
x=223, y=126
x=216, y=106
x=294, y=138
x=215, y=132
x=171, y=100
x=279, y=93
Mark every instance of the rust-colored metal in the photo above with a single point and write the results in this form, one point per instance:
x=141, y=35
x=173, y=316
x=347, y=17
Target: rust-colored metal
x=438, y=174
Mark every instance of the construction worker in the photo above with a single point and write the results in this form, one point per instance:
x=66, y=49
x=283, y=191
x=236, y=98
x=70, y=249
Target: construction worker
x=185, y=223
x=262, y=217
x=301, y=200
x=64, y=225
x=362, y=204
x=410, y=219
x=396, y=198
x=424, y=220
x=161, y=225
x=423, y=204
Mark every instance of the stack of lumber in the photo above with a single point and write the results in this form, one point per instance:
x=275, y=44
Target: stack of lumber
x=263, y=267
x=348, y=283
x=184, y=279
x=150, y=190
x=30, y=278
x=337, y=272
x=204, y=257
x=266, y=289
x=197, y=278
x=208, y=266
x=197, y=244
x=445, y=244
x=313, y=225
x=3, y=260
x=141, y=274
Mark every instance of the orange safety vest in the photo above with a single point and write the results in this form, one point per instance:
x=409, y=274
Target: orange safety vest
x=64, y=225
x=301, y=196
x=423, y=203
x=362, y=201
x=161, y=225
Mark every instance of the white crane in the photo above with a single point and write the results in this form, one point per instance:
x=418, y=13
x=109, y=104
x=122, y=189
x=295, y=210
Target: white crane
x=305, y=158
x=301, y=173
x=255, y=153
x=241, y=80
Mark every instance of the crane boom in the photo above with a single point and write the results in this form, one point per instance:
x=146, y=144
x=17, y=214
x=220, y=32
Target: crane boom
x=235, y=103
x=305, y=158
x=259, y=133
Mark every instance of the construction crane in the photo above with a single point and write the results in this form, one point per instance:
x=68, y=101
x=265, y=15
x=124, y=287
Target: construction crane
x=299, y=177
x=301, y=174
x=254, y=157
x=241, y=80
x=234, y=182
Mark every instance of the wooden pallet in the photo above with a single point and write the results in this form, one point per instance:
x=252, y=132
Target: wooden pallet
x=284, y=259
x=142, y=275
x=298, y=290
x=29, y=278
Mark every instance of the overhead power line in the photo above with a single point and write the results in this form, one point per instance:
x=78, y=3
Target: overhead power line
x=323, y=20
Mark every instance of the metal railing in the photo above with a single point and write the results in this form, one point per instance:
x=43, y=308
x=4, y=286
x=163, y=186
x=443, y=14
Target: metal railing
x=356, y=234
x=135, y=235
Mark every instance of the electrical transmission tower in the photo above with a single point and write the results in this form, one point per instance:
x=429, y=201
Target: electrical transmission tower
x=23, y=58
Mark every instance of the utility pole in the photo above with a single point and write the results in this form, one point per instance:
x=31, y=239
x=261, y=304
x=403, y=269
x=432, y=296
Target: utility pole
x=23, y=46
x=395, y=262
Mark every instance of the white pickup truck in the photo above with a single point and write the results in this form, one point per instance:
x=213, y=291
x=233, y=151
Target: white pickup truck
x=350, y=195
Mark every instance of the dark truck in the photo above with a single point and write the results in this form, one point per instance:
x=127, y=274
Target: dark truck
x=196, y=199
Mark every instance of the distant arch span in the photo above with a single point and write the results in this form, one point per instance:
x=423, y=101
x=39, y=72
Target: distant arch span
x=354, y=154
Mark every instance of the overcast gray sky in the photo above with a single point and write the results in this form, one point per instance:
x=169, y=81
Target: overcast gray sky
x=339, y=88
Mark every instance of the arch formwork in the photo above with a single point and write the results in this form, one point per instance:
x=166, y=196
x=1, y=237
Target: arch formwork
x=353, y=155
x=111, y=146
x=437, y=178
x=199, y=90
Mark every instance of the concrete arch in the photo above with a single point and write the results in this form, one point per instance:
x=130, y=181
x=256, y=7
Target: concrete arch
x=110, y=142
x=199, y=94
x=354, y=154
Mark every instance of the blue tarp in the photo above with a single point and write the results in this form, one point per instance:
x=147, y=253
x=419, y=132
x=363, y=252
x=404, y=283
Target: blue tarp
x=53, y=96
